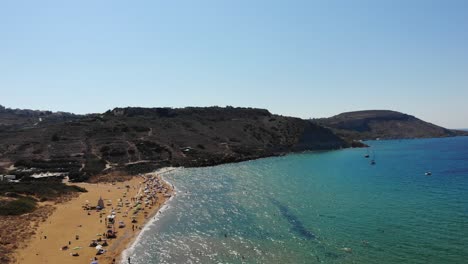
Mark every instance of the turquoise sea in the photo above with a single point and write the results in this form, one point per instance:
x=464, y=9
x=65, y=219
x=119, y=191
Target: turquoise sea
x=319, y=207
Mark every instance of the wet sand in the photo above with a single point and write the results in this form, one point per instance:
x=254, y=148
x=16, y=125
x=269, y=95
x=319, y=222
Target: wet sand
x=71, y=221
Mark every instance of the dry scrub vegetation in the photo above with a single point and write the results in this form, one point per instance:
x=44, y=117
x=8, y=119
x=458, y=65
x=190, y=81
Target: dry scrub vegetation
x=16, y=229
x=19, y=222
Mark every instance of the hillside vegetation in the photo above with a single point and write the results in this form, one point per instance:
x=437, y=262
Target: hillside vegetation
x=13, y=119
x=135, y=140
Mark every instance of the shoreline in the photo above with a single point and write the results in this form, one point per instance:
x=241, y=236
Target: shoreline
x=150, y=221
x=73, y=225
x=120, y=254
x=124, y=254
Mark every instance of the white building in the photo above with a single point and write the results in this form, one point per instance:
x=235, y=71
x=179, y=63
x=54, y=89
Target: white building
x=7, y=177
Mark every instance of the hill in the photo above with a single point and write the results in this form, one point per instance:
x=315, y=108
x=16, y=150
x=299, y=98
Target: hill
x=14, y=119
x=135, y=140
x=384, y=124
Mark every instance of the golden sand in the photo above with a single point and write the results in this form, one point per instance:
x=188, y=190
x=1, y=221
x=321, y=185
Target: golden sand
x=70, y=221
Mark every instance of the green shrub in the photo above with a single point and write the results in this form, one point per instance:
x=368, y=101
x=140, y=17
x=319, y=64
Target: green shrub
x=94, y=165
x=48, y=190
x=17, y=207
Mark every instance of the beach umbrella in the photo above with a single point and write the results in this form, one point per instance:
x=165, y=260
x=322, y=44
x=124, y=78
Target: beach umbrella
x=98, y=247
x=94, y=262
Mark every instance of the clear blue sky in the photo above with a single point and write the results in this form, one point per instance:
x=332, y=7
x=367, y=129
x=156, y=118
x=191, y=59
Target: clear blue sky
x=298, y=58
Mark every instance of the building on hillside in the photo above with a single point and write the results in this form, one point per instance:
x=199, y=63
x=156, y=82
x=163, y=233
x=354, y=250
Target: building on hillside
x=7, y=178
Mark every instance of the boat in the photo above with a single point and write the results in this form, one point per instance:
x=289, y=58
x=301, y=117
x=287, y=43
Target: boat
x=367, y=154
x=428, y=173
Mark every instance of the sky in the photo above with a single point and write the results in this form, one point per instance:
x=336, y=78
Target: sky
x=295, y=58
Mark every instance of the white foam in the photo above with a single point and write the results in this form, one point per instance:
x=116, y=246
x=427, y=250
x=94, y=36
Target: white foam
x=167, y=205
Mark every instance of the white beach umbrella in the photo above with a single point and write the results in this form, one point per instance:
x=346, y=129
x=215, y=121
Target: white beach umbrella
x=98, y=247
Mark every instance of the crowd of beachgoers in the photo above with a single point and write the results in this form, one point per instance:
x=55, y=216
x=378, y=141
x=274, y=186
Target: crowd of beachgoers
x=111, y=217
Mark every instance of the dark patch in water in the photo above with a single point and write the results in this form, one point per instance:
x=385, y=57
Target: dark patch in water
x=331, y=255
x=297, y=225
x=327, y=216
x=456, y=171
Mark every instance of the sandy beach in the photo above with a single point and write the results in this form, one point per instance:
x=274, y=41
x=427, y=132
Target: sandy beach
x=74, y=227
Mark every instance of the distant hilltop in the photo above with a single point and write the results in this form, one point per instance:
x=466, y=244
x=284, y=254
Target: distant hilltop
x=383, y=124
x=20, y=118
